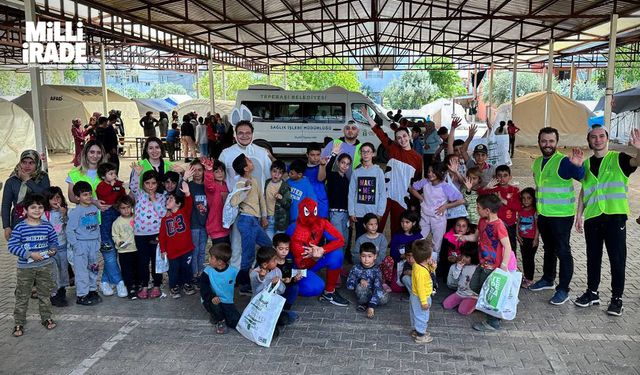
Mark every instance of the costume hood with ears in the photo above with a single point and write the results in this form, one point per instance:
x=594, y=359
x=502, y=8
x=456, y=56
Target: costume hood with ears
x=307, y=212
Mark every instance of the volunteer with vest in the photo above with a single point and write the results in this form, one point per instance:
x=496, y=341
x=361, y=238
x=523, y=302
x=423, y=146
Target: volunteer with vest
x=93, y=155
x=604, y=206
x=349, y=144
x=152, y=160
x=556, y=204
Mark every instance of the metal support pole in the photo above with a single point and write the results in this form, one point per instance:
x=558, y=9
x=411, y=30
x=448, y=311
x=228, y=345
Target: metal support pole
x=514, y=85
x=490, y=112
x=474, y=92
x=268, y=74
x=547, y=102
x=285, y=78
x=212, y=94
x=37, y=110
x=572, y=81
x=103, y=80
x=224, y=84
x=611, y=64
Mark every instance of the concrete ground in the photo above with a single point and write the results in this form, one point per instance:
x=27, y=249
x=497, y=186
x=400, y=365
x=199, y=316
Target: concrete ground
x=168, y=336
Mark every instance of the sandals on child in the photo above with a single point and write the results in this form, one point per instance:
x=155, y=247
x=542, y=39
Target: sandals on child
x=18, y=331
x=49, y=324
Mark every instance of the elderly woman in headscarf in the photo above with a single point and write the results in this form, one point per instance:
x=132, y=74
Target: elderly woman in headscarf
x=27, y=177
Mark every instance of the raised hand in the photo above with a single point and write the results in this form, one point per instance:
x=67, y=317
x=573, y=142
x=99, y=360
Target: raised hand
x=207, y=163
x=188, y=174
x=473, y=129
x=577, y=157
x=453, y=165
x=634, y=138
x=185, y=188
x=492, y=183
x=467, y=183
x=337, y=148
x=137, y=168
x=455, y=122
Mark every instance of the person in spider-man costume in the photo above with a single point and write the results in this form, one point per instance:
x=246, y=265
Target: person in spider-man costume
x=306, y=235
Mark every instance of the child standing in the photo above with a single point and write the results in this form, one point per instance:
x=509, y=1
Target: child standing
x=366, y=280
x=56, y=215
x=175, y=241
x=124, y=240
x=173, y=136
x=338, y=192
x=367, y=192
x=34, y=242
x=458, y=279
x=371, y=235
x=201, y=137
x=109, y=190
x=472, y=183
x=216, y=288
x=437, y=197
x=216, y=190
x=277, y=194
x=316, y=172
x=150, y=209
x=528, y=236
x=300, y=187
x=510, y=198
x=170, y=183
x=494, y=250
x=199, y=215
x=83, y=234
x=252, y=218
x=281, y=242
x=421, y=288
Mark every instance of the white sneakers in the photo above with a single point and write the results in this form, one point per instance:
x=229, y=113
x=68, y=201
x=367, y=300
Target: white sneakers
x=122, y=290
x=106, y=288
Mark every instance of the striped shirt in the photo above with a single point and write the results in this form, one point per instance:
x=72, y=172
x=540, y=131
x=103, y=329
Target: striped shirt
x=26, y=238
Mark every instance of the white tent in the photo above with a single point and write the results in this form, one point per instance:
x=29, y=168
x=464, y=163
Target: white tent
x=18, y=133
x=64, y=103
x=202, y=106
x=566, y=115
x=442, y=111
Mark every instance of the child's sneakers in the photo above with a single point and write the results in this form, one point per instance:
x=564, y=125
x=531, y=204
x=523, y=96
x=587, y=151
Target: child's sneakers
x=106, y=288
x=155, y=292
x=85, y=301
x=143, y=293
x=245, y=290
x=424, y=339
x=175, y=293
x=333, y=298
x=60, y=298
x=189, y=289
x=221, y=327
x=121, y=289
x=94, y=296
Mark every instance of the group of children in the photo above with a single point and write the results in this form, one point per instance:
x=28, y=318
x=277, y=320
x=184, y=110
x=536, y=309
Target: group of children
x=476, y=223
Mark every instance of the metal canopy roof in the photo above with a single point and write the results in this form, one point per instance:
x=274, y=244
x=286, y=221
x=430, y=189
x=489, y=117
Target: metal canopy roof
x=386, y=34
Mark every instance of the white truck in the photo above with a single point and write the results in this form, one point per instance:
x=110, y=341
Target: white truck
x=289, y=120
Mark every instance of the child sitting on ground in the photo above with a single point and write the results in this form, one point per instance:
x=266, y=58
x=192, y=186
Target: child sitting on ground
x=421, y=288
x=34, y=242
x=399, y=244
x=175, y=241
x=216, y=288
x=407, y=267
x=459, y=278
x=366, y=280
x=453, y=245
x=266, y=275
x=371, y=223
x=281, y=242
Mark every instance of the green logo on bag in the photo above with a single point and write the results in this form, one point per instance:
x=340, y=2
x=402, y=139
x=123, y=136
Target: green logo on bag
x=496, y=283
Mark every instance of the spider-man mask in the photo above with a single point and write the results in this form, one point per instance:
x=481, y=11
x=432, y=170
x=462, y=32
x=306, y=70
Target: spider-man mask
x=307, y=212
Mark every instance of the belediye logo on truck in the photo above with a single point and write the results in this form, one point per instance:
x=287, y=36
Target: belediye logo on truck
x=45, y=43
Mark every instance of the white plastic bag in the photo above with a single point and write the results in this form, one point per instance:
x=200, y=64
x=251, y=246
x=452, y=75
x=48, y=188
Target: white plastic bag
x=399, y=268
x=229, y=212
x=259, y=318
x=499, y=294
x=162, y=264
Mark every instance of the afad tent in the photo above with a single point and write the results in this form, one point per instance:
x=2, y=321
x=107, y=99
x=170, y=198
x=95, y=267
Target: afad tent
x=64, y=103
x=202, y=106
x=18, y=134
x=442, y=111
x=566, y=115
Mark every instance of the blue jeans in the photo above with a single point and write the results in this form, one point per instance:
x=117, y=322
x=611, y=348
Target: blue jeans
x=204, y=149
x=271, y=229
x=340, y=220
x=290, y=294
x=313, y=285
x=111, y=270
x=252, y=234
x=419, y=317
x=199, y=238
x=107, y=219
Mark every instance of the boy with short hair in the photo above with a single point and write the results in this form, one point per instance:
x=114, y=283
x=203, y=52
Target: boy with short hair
x=252, y=218
x=365, y=279
x=34, y=242
x=83, y=235
x=175, y=241
x=300, y=187
x=509, y=196
x=316, y=173
x=277, y=194
x=281, y=242
x=267, y=271
x=216, y=288
x=170, y=183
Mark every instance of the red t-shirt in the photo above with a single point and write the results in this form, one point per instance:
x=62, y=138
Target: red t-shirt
x=507, y=211
x=175, y=231
x=527, y=222
x=110, y=194
x=489, y=245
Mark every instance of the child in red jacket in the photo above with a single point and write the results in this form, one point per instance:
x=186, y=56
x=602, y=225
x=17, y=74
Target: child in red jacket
x=509, y=196
x=175, y=241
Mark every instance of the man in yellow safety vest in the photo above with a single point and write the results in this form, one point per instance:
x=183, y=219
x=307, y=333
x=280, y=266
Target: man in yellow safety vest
x=604, y=206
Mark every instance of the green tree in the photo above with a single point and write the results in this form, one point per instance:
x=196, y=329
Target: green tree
x=627, y=75
x=234, y=81
x=14, y=83
x=411, y=90
x=445, y=76
x=525, y=83
x=161, y=90
x=71, y=77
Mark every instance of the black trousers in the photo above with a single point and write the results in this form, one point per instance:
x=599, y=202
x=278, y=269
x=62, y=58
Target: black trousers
x=223, y=311
x=611, y=231
x=146, y=246
x=528, y=252
x=556, y=233
x=129, y=269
